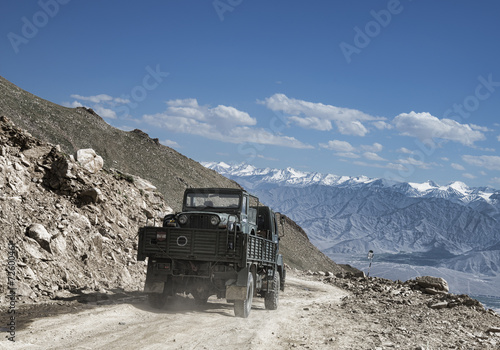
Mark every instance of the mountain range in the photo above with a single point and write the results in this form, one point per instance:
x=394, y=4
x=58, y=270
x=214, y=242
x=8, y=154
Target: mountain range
x=452, y=227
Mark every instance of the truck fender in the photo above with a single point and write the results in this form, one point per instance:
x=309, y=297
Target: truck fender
x=238, y=289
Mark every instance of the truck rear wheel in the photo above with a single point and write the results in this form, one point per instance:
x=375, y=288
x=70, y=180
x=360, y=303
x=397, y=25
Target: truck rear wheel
x=157, y=300
x=271, y=298
x=282, y=281
x=200, y=296
x=242, y=308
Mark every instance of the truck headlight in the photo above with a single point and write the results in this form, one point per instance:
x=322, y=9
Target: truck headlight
x=214, y=220
x=183, y=219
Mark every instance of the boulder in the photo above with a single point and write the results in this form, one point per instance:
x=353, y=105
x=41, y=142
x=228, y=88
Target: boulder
x=61, y=168
x=435, y=283
x=93, y=195
x=142, y=184
x=59, y=244
x=89, y=160
x=40, y=234
x=440, y=305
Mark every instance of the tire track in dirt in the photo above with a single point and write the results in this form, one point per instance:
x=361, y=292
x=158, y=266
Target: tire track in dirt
x=302, y=320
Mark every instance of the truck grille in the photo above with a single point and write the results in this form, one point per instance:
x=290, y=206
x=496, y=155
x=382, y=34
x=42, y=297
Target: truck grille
x=200, y=221
x=189, y=244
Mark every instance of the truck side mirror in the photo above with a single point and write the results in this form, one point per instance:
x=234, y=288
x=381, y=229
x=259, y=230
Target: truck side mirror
x=282, y=222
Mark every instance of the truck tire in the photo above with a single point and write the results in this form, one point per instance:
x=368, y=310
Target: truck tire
x=271, y=298
x=200, y=297
x=158, y=300
x=282, y=281
x=242, y=308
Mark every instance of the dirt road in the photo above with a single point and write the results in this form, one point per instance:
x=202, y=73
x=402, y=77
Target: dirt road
x=305, y=319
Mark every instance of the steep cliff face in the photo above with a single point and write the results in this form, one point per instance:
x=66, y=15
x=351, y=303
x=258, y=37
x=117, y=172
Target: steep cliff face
x=71, y=229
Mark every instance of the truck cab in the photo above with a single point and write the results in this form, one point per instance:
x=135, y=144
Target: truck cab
x=223, y=242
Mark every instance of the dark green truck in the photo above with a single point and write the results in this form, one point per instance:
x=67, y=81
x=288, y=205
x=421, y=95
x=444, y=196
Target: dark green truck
x=222, y=243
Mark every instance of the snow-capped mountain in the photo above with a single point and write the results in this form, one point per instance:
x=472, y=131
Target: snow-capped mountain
x=425, y=224
x=457, y=191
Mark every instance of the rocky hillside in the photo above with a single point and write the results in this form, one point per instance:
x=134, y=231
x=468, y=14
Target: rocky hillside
x=132, y=152
x=71, y=229
x=417, y=314
x=74, y=225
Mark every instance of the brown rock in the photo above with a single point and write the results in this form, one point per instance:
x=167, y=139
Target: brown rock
x=436, y=283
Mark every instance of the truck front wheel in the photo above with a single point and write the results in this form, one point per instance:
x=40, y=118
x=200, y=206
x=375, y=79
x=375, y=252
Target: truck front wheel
x=272, y=297
x=242, y=308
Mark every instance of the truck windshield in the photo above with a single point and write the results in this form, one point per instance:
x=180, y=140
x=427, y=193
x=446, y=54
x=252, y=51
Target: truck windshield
x=212, y=200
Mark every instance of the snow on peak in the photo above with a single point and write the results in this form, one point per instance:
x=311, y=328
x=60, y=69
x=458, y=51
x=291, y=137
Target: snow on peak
x=224, y=165
x=423, y=187
x=460, y=187
x=456, y=191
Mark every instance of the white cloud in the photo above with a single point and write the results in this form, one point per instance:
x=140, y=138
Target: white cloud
x=94, y=99
x=233, y=115
x=170, y=143
x=498, y=137
x=446, y=159
x=312, y=123
x=457, y=166
x=414, y=162
x=101, y=104
x=101, y=98
x=73, y=104
x=480, y=128
x=495, y=180
x=376, y=147
x=319, y=116
x=222, y=123
x=105, y=112
x=347, y=155
x=405, y=150
x=337, y=145
x=346, y=150
x=469, y=176
x=488, y=162
x=424, y=126
x=391, y=166
x=373, y=156
x=381, y=125
x=185, y=102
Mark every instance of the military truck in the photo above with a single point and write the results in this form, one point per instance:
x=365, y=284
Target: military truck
x=223, y=242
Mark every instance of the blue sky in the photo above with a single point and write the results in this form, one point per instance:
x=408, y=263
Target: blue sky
x=408, y=90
